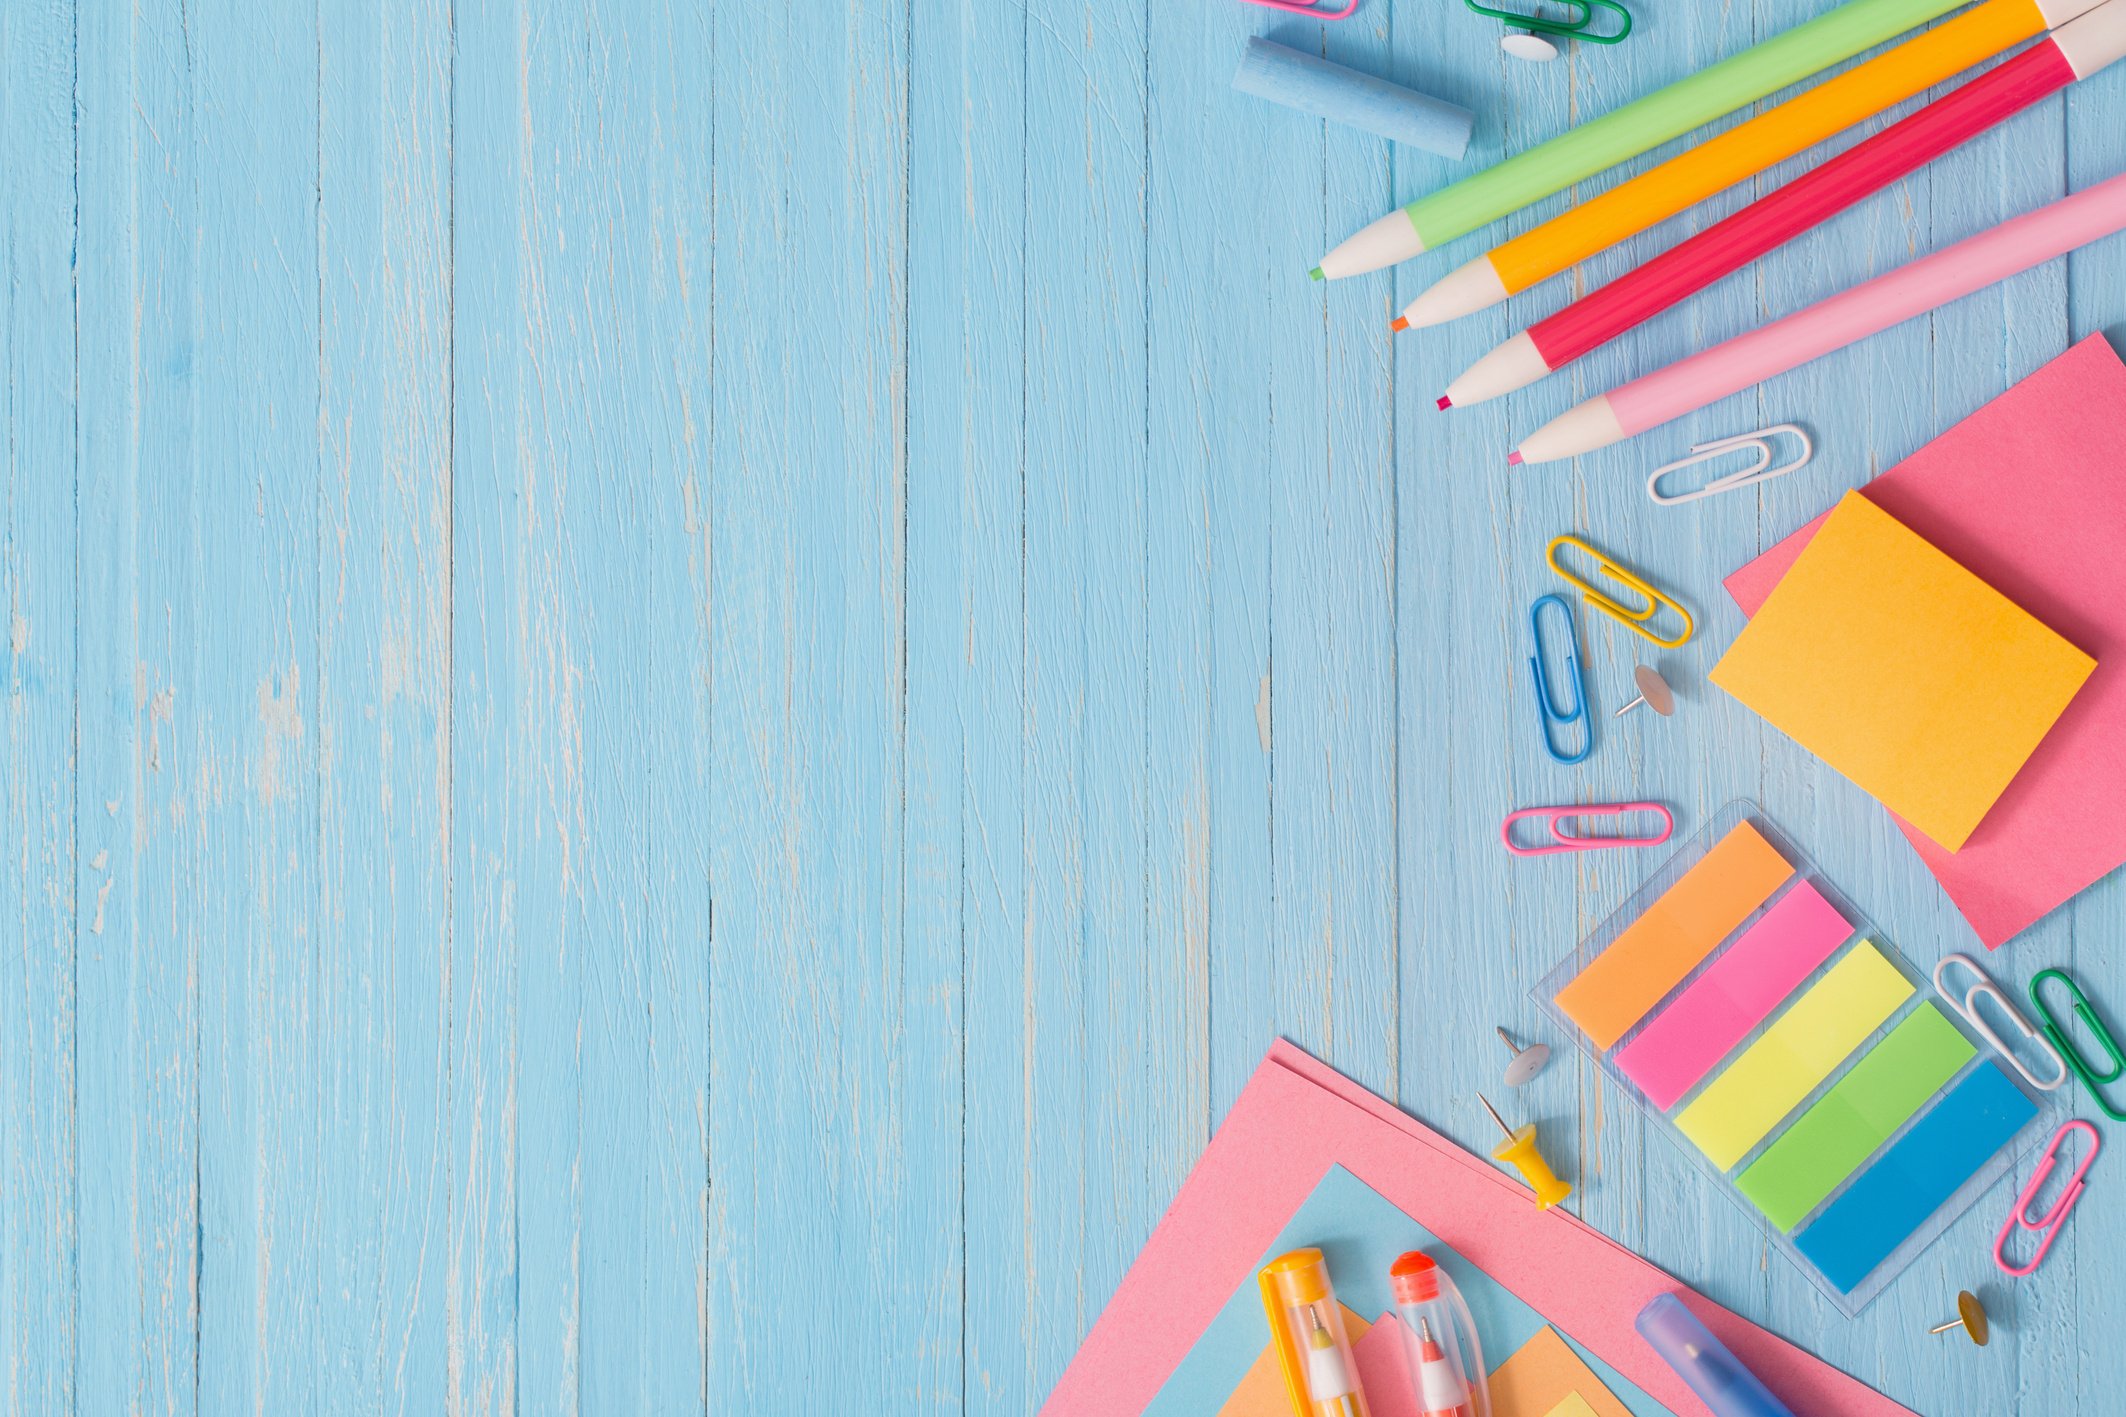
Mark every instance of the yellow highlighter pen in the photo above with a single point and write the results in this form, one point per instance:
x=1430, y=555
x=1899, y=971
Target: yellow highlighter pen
x=1307, y=1327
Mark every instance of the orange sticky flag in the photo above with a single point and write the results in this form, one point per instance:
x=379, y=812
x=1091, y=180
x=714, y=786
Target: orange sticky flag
x=1658, y=949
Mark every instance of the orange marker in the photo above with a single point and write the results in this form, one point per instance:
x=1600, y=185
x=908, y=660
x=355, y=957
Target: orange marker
x=1307, y=1329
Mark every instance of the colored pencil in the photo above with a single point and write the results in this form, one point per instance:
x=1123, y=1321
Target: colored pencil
x=1869, y=308
x=1462, y=207
x=2078, y=48
x=1718, y=163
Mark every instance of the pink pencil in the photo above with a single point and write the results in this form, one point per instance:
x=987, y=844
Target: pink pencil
x=2074, y=51
x=1868, y=308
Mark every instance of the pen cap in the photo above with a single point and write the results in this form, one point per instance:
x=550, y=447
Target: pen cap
x=1307, y=1329
x=1446, y=1365
x=1703, y=1362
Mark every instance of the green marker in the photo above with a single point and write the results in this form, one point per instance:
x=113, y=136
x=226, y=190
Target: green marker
x=1461, y=207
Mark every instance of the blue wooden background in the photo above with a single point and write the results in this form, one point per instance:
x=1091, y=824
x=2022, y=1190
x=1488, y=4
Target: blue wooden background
x=687, y=686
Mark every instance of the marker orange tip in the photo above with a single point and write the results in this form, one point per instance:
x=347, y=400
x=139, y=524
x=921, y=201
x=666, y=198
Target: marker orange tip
x=1445, y=402
x=1398, y=324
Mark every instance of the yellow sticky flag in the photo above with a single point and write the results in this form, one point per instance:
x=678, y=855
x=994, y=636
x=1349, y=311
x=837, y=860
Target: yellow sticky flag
x=1802, y=1048
x=1901, y=669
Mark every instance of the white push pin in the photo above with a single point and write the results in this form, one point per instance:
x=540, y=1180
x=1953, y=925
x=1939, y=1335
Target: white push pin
x=1528, y=45
x=1527, y=1062
x=1653, y=692
x=1970, y=1317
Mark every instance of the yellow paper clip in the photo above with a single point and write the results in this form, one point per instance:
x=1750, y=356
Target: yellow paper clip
x=1633, y=620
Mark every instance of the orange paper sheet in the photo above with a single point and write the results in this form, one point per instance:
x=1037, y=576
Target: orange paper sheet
x=1261, y=1392
x=1545, y=1375
x=1680, y=929
x=1898, y=667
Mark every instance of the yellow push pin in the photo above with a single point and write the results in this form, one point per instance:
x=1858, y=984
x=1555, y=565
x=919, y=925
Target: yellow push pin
x=1970, y=1317
x=1519, y=1151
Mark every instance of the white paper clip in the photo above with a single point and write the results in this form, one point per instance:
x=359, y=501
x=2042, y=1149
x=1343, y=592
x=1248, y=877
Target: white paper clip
x=1967, y=1005
x=1760, y=471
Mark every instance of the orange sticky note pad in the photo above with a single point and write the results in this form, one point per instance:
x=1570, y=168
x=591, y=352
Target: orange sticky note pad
x=1901, y=669
x=1657, y=950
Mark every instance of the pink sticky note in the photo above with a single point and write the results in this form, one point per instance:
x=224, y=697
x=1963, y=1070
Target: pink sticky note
x=2028, y=493
x=1295, y=1118
x=1738, y=992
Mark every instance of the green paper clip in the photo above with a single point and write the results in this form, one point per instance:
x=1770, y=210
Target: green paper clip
x=2057, y=1036
x=1580, y=26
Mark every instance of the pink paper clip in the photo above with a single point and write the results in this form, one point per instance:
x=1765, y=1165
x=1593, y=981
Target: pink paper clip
x=2049, y=1224
x=1309, y=8
x=1563, y=840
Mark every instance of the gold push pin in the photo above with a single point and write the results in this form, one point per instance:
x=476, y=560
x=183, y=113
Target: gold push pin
x=1518, y=1151
x=1970, y=1317
x=1653, y=692
x=1527, y=1062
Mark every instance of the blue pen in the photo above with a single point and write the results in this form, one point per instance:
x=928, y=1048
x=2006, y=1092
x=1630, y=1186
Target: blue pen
x=1704, y=1362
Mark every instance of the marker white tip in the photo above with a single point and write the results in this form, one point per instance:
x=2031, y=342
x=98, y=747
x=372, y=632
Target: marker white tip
x=1462, y=291
x=1513, y=365
x=1393, y=238
x=1579, y=429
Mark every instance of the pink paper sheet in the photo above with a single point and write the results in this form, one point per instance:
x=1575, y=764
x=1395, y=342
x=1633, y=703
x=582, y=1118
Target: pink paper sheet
x=1740, y=990
x=1294, y=1119
x=2029, y=494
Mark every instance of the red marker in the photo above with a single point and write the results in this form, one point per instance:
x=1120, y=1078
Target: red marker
x=1446, y=1361
x=1439, y=1383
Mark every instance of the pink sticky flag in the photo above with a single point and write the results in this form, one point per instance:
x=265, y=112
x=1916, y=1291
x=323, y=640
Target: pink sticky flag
x=1738, y=992
x=1296, y=1118
x=2029, y=494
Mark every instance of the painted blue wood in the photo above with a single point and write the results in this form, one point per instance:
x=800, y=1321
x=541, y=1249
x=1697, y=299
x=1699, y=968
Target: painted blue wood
x=686, y=687
x=40, y=928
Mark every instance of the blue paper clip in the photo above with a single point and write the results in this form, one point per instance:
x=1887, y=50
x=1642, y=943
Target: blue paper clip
x=2094, y=1081
x=1545, y=702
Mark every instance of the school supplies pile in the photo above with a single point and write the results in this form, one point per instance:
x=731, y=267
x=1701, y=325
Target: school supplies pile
x=1691, y=102
x=1778, y=1037
x=1869, y=308
x=1308, y=1158
x=1728, y=158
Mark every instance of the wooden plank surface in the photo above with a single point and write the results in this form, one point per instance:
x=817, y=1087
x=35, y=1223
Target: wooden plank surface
x=688, y=686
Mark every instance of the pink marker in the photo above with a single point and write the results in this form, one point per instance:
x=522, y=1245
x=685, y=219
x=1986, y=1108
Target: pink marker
x=2074, y=51
x=1869, y=308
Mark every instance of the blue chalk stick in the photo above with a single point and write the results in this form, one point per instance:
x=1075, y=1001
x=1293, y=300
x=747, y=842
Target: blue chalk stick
x=1908, y=1183
x=1312, y=85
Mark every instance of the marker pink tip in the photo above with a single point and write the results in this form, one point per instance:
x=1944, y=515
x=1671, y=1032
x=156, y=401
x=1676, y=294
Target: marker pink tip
x=1513, y=459
x=1445, y=402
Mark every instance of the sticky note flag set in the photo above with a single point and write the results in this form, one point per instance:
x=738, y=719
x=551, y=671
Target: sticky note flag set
x=1756, y=1015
